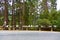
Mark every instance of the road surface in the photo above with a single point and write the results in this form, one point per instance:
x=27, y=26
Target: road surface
x=29, y=35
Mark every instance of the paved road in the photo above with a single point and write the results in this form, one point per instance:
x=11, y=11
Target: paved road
x=29, y=35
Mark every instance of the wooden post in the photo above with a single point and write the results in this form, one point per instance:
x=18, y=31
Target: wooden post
x=39, y=28
x=51, y=28
x=9, y=28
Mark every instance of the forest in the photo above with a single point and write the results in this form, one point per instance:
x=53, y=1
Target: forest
x=21, y=13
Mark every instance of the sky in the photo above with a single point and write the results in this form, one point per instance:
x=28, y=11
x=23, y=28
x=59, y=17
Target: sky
x=58, y=4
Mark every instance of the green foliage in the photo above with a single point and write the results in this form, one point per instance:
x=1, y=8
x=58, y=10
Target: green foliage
x=50, y=18
x=44, y=22
x=1, y=21
x=44, y=15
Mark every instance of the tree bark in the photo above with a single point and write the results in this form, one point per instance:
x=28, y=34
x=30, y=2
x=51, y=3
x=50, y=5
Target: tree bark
x=6, y=13
x=13, y=17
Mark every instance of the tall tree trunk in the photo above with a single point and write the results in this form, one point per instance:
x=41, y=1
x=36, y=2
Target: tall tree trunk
x=19, y=11
x=31, y=11
x=20, y=19
x=23, y=20
x=13, y=17
x=6, y=13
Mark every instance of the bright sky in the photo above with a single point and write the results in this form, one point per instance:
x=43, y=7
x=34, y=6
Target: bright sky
x=58, y=4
